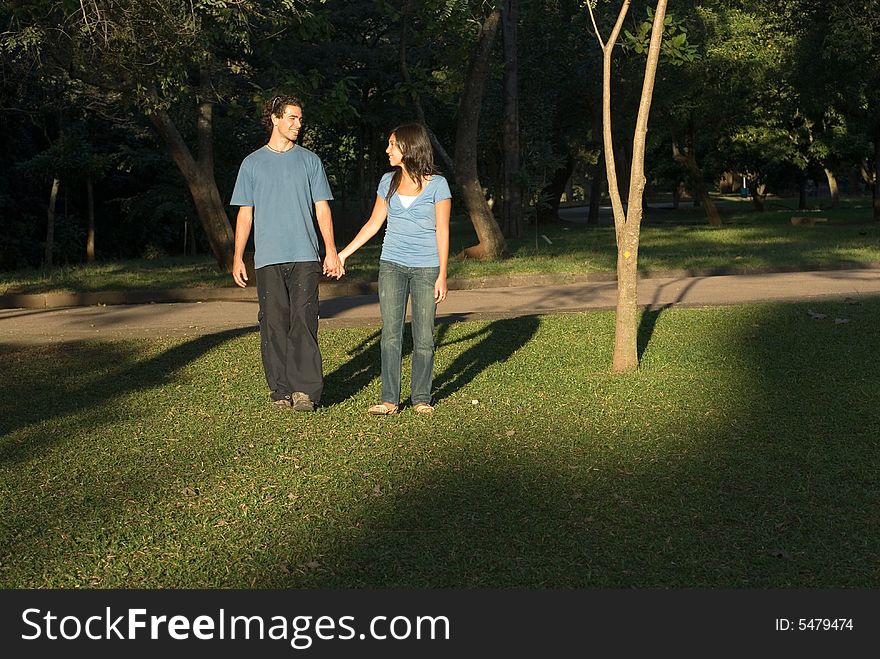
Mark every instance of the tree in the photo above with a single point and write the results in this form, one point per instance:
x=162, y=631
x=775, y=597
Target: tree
x=853, y=41
x=627, y=223
x=172, y=61
x=405, y=18
x=512, y=197
x=491, y=241
x=686, y=101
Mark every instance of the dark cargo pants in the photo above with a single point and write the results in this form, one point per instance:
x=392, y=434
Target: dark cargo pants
x=288, y=295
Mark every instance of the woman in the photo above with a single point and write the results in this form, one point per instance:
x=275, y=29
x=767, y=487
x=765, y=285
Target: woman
x=416, y=201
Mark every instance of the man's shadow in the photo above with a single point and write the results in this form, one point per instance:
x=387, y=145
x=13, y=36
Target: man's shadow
x=495, y=342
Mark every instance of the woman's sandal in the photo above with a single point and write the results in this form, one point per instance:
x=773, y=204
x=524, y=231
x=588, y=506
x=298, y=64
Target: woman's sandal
x=383, y=409
x=423, y=408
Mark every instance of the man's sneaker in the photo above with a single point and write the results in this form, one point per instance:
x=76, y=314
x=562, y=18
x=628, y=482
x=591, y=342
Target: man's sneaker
x=280, y=403
x=301, y=402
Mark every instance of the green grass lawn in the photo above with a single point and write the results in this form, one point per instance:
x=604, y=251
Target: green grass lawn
x=671, y=240
x=743, y=454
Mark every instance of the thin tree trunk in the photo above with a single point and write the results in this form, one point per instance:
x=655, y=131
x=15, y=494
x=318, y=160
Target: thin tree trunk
x=608, y=143
x=802, y=192
x=756, y=189
x=512, y=209
x=50, y=223
x=547, y=208
x=626, y=356
x=366, y=193
x=598, y=170
x=90, y=211
x=833, y=188
x=491, y=244
x=676, y=195
x=595, y=195
x=627, y=227
x=875, y=189
x=701, y=195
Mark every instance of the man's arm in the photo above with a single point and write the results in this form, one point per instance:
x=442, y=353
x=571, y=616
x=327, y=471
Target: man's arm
x=243, y=224
x=332, y=267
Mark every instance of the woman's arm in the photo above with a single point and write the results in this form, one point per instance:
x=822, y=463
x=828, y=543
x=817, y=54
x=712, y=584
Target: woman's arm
x=370, y=229
x=441, y=213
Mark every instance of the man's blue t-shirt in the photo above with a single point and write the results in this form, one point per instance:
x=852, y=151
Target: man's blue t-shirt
x=283, y=189
x=411, y=234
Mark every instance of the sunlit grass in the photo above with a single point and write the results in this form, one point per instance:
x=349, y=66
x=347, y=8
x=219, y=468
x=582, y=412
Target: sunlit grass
x=742, y=454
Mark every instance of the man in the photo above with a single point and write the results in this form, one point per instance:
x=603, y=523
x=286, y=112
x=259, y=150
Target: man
x=281, y=188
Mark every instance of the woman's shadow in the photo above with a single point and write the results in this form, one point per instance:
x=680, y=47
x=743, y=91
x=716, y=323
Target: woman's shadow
x=494, y=342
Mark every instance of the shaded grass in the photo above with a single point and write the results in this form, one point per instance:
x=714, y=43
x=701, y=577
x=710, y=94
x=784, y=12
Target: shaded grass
x=671, y=240
x=743, y=454
x=134, y=274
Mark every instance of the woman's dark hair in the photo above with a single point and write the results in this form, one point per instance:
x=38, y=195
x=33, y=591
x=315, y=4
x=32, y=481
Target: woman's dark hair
x=275, y=107
x=418, y=155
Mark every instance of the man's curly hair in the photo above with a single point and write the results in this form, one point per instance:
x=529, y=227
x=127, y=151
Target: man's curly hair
x=275, y=107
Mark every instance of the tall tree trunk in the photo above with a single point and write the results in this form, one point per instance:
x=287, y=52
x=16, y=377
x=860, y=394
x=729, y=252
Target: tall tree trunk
x=90, y=211
x=685, y=156
x=599, y=169
x=875, y=189
x=50, y=222
x=595, y=194
x=366, y=191
x=757, y=190
x=512, y=209
x=491, y=241
x=833, y=188
x=802, y=192
x=199, y=176
x=547, y=208
x=417, y=100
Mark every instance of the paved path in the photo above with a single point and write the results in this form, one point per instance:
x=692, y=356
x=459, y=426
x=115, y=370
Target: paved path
x=194, y=319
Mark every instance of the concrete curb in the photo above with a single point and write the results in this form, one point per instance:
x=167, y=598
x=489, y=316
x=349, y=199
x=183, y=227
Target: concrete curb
x=343, y=289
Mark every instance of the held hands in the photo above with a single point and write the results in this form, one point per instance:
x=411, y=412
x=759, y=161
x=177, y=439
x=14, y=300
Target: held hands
x=333, y=266
x=440, y=290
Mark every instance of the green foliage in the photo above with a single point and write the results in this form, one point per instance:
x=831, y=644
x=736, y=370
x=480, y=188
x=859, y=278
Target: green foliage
x=777, y=91
x=675, y=49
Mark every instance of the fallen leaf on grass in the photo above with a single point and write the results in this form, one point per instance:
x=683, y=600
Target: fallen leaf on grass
x=510, y=433
x=816, y=316
x=840, y=321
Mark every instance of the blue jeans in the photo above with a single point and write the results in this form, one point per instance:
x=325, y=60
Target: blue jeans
x=397, y=283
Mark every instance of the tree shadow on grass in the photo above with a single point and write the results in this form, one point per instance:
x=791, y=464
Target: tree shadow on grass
x=651, y=313
x=496, y=342
x=66, y=386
